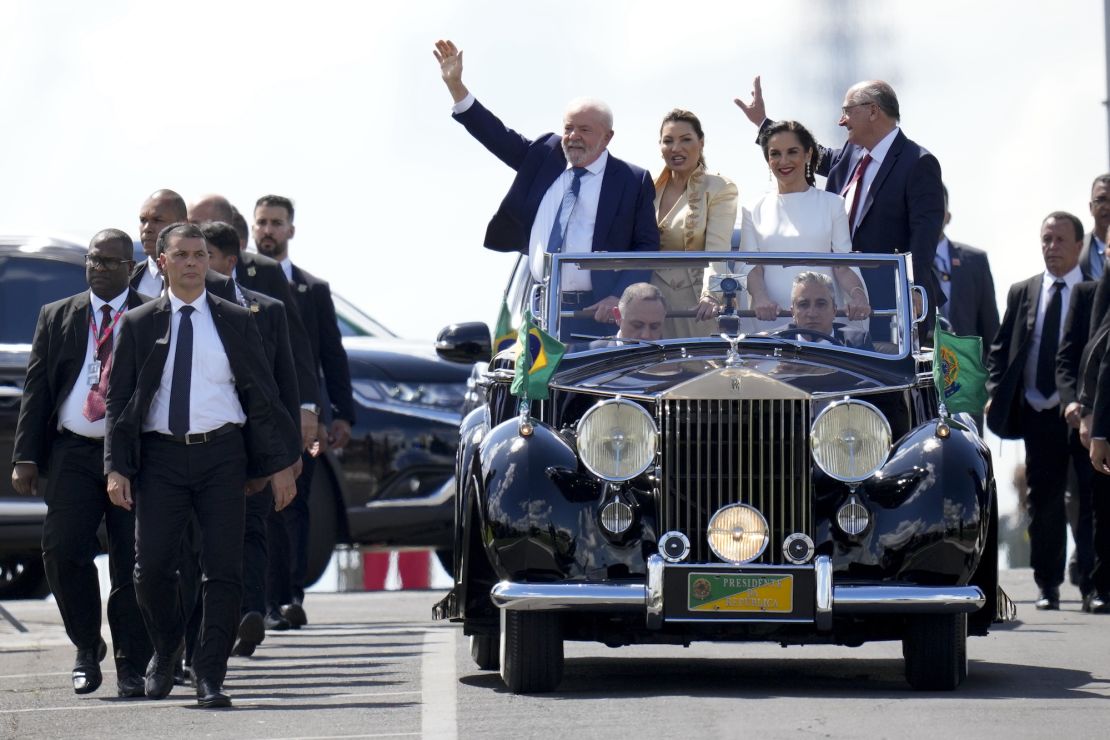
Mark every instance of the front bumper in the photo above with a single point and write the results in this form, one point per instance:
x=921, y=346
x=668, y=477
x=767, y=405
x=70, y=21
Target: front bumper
x=829, y=599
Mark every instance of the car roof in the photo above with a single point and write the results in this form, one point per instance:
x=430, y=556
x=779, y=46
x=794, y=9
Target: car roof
x=42, y=246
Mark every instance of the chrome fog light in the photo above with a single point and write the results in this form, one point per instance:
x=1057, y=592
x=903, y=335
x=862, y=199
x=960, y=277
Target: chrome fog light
x=853, y=517
x=798, y=548
x=616, y=517
x=737, y=533
x=674, y=547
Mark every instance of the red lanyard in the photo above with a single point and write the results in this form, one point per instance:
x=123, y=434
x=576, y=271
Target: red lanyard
x=98, y=341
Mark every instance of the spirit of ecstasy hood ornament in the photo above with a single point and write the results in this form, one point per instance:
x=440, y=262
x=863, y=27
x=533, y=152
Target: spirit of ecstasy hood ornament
x=733, y=359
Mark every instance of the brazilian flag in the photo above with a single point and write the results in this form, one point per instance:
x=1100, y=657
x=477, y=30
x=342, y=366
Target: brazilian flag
x=958, y=372
x=540, y=354
x=504, y=335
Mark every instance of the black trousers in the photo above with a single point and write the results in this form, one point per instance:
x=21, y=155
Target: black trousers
x=1100, y=516
x=76, y=502
x=1081, y=482
x=288, y=532
x=1047, y=457
x=256, y=550
x=175, y=482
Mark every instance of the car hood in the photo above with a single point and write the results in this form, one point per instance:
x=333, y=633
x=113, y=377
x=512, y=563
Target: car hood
x=705, y=375
x=404, y=360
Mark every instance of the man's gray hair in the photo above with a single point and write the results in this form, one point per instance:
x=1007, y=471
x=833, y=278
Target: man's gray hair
x=879, y=93
x=812, y=277
x=594, y=104
x=640, y=292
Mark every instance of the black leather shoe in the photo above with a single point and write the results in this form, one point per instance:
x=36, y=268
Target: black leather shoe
x=295, y=615
x=252, y=631
x=129, y=681
x=159, y=674
x=210, y=695
x=1049, y=599
x=86, y=669
x=274, y=621
x=1098, y=603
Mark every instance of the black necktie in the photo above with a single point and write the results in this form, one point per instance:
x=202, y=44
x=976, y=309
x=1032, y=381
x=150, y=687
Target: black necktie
x=1050, y=342
x=182, y=375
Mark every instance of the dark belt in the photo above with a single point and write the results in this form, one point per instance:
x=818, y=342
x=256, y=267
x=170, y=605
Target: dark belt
x=199, y=438
x=577, y=297
x=66, y=434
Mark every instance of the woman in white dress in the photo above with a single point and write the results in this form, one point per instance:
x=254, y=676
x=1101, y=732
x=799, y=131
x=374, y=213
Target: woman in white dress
x=796, y=217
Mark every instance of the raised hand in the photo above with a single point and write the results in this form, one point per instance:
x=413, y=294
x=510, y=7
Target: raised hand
x=450, y=67
x=756, y=111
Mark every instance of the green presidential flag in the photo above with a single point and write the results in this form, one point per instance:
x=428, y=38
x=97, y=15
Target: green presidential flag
x=504, y=335
x=958, y=372
x=540, y=354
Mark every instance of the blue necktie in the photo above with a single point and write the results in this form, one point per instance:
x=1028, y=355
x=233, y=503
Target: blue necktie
x=182, y=375
x=570, y=197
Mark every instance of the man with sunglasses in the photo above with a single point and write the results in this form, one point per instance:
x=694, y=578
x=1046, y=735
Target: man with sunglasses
x=61, y=432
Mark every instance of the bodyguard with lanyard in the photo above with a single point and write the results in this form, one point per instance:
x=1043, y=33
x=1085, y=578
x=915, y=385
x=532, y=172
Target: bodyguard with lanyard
x=61, y=431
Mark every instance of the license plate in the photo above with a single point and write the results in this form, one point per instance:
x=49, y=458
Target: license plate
x=738, y=592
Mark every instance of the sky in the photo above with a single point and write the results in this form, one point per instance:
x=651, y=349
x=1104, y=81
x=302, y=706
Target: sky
x=339, y=105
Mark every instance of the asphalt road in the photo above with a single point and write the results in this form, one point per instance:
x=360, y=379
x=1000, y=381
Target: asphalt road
x=375, y=665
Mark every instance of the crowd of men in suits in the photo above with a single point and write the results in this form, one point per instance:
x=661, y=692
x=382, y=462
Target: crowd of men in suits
x=183, y=402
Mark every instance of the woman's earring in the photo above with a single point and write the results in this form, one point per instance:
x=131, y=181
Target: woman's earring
x=809, y=171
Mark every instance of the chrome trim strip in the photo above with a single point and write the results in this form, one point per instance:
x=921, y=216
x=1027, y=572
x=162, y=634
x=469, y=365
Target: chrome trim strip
x=451, y=418
x=653, y=596
x=440, y=495
x=623, y=597
x=899, y=598
x=758, y=620
x=823, y=572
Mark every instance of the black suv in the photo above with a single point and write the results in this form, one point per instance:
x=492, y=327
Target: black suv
x=391, y=486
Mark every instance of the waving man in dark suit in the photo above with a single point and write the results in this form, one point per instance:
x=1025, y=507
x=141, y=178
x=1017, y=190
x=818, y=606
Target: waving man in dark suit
x=569, y=193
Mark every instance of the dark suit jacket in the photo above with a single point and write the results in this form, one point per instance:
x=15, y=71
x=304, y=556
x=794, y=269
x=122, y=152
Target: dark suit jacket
x=1074, y=344
x=1006, y=361
x=313, y=299
x=973, y=310
x=271, y=437
x=849, y=336
x=57, y=357
x=625, y=210
x=904, y=208
x=1085, y=253
x=271, y=317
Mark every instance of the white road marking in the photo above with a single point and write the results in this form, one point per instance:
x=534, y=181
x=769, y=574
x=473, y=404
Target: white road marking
x=438, y=683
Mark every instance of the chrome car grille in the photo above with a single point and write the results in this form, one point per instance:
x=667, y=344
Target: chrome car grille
x=716, y=453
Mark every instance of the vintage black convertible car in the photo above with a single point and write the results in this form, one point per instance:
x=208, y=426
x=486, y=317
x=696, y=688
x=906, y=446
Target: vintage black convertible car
x=774, y=484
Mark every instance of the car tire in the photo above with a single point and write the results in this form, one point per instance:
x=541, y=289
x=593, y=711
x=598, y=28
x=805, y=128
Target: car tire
x=23, y=577
x=531, y=651
x=484, y=650
x=935, y=650
x=323, y=523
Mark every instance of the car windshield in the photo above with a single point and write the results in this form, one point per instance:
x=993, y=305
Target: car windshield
x=848, y=302
x=27, y=283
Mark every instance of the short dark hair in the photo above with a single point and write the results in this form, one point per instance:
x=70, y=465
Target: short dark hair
x=240, y=224
x=221, y=236
x=1103, y=179
x=678, y=115
x=276, y=201
x=804, y=136
x=182, y=229
x=1065, y=216
x=114, y=238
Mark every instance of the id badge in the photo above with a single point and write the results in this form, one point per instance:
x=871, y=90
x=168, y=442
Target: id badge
x=93, y=376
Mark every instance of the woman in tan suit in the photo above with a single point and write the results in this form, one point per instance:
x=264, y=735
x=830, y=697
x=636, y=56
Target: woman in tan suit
x=696, y=211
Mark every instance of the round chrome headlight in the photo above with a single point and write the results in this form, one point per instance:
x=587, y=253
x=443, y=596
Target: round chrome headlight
x=850, y=440
x=616, y=440
x=737, y=533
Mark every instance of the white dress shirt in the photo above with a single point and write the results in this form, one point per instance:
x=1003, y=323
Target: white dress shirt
x=1034, y=397
x=213, y=401
x=578, y=225
x=878, y=154
x=71, y=415
x=287, y=268
x=152, y=283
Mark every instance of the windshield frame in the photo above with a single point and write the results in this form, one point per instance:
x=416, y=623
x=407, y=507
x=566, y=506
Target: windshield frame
x=547, y=305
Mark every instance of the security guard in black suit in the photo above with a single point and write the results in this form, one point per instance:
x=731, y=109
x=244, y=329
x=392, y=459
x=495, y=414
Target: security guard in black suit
x=193, y=413
x=61, y=430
